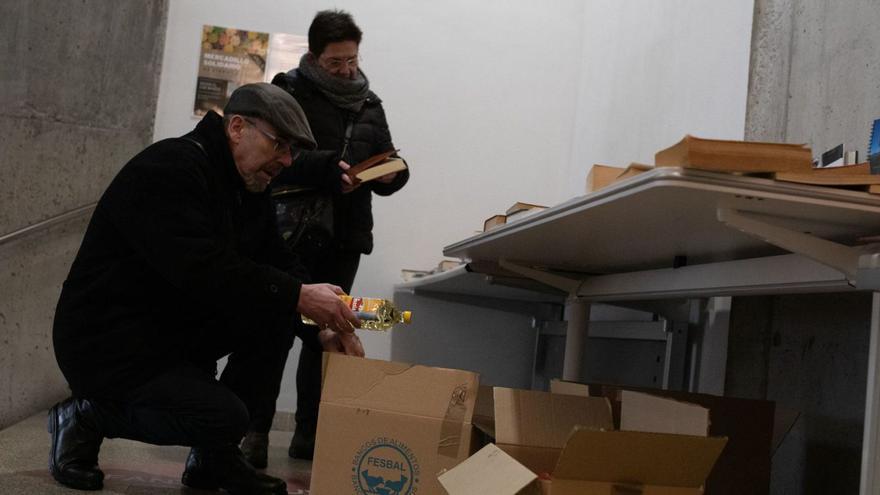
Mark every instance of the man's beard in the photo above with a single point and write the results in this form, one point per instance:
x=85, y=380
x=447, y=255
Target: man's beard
x=255, y=185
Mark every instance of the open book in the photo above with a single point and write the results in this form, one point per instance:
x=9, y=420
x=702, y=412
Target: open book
x=376, y=166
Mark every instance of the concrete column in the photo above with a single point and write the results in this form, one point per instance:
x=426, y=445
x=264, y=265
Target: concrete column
x=78, y=90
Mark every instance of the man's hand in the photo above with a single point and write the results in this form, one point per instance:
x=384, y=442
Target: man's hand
x=321, y=303
x=349, y=183
x=346, y=343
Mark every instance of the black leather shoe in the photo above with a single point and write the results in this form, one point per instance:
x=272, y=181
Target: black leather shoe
x=226, y=468
x=73, y=458
x=255, y=448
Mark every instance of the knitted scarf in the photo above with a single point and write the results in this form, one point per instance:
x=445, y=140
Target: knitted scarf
x=348, y=94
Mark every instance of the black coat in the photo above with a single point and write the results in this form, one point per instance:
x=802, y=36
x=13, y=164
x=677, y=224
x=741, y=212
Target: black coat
x=353, y=226
x=179, y=262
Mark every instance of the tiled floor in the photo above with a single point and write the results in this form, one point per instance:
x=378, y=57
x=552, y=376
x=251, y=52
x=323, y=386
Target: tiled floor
x=129, y=467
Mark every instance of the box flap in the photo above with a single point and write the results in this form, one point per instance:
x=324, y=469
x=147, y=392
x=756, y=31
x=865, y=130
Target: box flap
x=439, y=393
x=558, y=386
x=744, y=465
x=540, y=460
x=489, y=471
x=645, y=412
x=485, y=403
x=783, y=421
x=638, y=457
x=542, y=419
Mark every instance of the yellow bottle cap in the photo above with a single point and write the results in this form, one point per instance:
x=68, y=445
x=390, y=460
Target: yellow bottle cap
x=407, y=316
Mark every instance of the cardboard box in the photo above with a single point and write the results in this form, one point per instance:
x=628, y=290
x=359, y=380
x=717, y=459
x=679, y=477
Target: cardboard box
x=390, y=428
x=591, y=461
x=744, y=466
x=533, y=426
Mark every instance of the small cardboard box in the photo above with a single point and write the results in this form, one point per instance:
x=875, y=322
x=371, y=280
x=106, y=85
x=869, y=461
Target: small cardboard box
x=390, y=428
x=744, y=466
x=592, y=461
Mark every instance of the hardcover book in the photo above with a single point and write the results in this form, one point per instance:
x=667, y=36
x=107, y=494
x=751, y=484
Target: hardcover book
x=736, y=156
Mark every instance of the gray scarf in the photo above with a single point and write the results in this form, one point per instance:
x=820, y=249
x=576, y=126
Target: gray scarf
x=348, y=94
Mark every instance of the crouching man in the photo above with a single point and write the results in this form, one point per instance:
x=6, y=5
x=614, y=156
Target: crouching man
x=182, y=264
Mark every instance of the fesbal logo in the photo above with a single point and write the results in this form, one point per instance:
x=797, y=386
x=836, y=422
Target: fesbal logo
x=385, y=466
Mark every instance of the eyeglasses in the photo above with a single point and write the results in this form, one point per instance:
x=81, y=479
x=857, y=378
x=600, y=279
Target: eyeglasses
x=281, y=146
x=336, y=63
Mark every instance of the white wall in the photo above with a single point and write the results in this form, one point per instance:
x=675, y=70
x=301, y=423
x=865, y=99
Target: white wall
x=499, y=101
x=654, y=71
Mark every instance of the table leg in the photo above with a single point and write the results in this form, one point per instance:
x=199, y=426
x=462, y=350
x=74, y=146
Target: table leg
x=870, y=453
x=577, y=314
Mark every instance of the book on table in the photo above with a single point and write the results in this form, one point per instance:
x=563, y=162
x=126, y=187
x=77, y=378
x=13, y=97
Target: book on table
x=822, y=179
x=519, y=207
x=736, y=156
x=522, y=210
x=494, y=221
x=376, y=166
x=633, y=170
x=601, y=176
x=854, y=169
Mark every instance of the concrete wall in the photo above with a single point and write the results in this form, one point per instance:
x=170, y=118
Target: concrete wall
x=814, y=78
x=815, y=73
x=808, y=354
x=78, y=89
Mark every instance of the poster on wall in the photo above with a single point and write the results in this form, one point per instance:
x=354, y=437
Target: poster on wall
x=232, y=57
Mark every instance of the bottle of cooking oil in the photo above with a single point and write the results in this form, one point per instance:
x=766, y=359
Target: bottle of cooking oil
x=374, y=313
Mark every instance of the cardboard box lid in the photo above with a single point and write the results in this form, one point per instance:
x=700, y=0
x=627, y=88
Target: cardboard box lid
x=439, y=393
x=491, y=471
x=543, y=419
x=645, y=412
x=558, y=386
x=638, y=457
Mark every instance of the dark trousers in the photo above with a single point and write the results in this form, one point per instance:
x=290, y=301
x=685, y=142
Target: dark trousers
x=187, y=405
x=331, y=266
x=183, y=406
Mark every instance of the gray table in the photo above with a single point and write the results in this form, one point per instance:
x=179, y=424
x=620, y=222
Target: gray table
x=677, y=233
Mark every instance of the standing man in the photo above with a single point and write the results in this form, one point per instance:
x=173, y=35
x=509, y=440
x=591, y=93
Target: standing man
x=349, y=126
x=182, y=264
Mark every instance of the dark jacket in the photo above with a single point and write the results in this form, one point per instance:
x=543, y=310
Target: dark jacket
x=353, y=226
x=179, y=262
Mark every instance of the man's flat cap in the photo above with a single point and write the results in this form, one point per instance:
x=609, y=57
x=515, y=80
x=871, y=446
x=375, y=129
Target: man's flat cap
x=275, y=106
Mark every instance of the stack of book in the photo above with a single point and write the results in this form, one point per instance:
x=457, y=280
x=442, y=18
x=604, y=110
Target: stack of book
x=780, y=161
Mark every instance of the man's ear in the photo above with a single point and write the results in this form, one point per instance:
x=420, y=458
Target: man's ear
x=234, y=128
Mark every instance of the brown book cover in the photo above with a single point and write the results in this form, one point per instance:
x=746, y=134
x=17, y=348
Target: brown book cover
x=633, y=170
x=736, y=156
x=855, y=169
x=376, y=166
x=494, y=221
x=601, y=176
x=520, y=206
x=828, y=180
